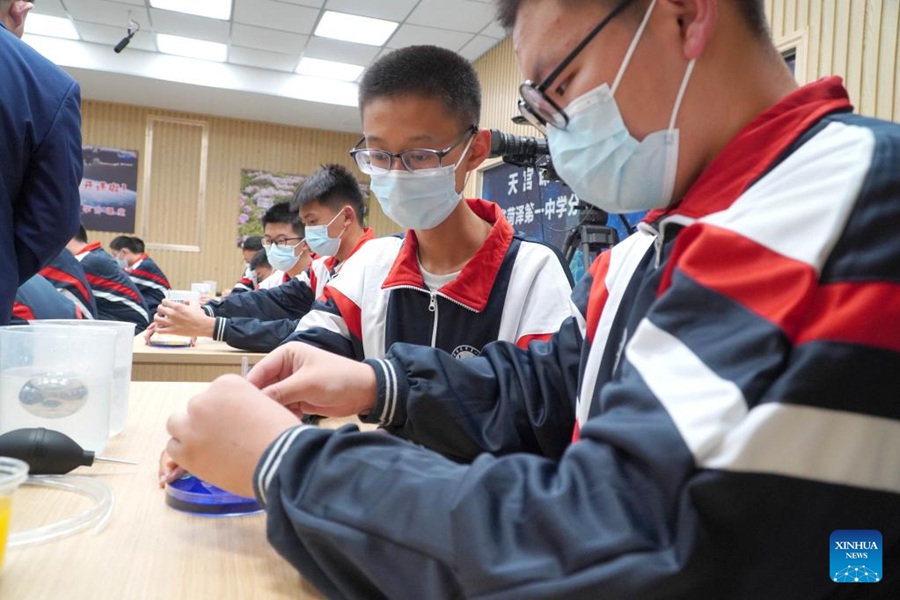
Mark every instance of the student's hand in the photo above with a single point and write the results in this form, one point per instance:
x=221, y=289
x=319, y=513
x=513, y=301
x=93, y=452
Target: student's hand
x=222, y=435
x=315, y=381
x=148, y=333
x=183, y=319
x=169, y=470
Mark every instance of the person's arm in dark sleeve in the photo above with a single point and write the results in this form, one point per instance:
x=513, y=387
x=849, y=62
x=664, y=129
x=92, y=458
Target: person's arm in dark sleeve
x=48, y=209
x=253, y=335
x=290, y=300
x=506, y=400
x=365, y=515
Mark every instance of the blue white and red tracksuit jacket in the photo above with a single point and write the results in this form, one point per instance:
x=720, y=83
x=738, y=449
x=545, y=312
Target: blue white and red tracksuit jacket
x=512, y=289
x=37, y=298
x=118, y=299
x=731, y=379
x=68, y=277
x=40, y=163
x=150, y=281
x=259, y=321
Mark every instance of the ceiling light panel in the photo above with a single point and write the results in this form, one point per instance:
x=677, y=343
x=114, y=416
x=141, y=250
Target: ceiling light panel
x=353, y=28
x=58, y=27
x=214, y=9
x=329, y=69
x=191, y=48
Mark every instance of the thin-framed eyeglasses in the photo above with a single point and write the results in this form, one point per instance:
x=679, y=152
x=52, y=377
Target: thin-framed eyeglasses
x=540, y=109
x=377, y=161
x=282, y=242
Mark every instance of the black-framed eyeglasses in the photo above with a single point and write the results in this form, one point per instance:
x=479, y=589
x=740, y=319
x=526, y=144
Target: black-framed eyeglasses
x=536, y=106
x=282, y=243
x=376, y=161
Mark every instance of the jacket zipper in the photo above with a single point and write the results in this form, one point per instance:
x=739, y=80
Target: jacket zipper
x=432, y=307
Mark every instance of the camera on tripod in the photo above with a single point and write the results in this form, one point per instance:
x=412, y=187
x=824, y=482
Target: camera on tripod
x=523, y=151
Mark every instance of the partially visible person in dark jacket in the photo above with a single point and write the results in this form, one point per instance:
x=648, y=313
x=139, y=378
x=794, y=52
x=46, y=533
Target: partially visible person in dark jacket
x=38, y=299
x=40, y=156
x=68, y=277
x=118, y=299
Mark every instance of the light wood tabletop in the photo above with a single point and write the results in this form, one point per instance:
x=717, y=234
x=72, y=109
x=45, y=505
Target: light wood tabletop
x=204, y=361
x=147, y=549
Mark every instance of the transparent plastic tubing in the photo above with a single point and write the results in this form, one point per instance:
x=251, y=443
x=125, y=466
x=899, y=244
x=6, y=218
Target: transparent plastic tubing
x=95, y=516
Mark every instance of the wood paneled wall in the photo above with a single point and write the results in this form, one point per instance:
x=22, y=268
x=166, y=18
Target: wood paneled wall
x=233, y=145
x=856, y=39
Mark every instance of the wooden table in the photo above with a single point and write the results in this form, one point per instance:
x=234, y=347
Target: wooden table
x=203, y=362
x=147, y=549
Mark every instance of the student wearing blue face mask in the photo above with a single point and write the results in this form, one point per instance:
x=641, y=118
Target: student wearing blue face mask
x=259, y=320
x=460, y=277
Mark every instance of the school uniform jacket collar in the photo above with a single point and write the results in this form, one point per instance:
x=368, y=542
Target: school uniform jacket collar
x=88, y=249
x=368, y=234
x=751, y=153
x=472, y=287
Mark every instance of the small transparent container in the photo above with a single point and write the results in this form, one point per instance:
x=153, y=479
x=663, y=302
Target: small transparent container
x=13, y=472
x=118, y=406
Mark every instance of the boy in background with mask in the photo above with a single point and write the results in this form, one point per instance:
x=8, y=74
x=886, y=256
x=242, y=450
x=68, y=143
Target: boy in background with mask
x=460, y=277
x=118, y=299
x=258, y=321
x=143, y=270
x=249, y=281
x=724, y=403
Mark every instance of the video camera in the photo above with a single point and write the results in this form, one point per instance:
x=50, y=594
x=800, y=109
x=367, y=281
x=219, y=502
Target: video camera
x=522, y=151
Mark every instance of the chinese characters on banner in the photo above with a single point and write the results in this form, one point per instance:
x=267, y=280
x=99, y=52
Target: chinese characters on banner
x=542, y=208
x=109, y=189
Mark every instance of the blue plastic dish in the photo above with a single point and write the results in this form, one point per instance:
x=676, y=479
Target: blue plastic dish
x=193, y=495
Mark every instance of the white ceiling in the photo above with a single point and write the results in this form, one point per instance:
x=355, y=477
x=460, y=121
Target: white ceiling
x=265, y=39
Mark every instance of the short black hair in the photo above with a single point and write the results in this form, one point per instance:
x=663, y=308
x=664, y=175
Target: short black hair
x=259, y=260
x=282, y=213
x=333, y=186
x=81, y=235
x=132, y=244
x=253, y=242
x=427, y=71
x=752, y=11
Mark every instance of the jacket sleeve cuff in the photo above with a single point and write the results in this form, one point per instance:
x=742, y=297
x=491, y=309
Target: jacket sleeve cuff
x=392, y=389
x=219, y=329
x=208, y=309
x=271, y=460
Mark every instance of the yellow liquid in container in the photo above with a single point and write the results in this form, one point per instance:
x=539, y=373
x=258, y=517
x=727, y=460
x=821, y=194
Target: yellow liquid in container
x=5, y=514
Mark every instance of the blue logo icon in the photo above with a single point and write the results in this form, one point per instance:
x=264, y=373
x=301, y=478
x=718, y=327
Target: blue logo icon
x=856, y=556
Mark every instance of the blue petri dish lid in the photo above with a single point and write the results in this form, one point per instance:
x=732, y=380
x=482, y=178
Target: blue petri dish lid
x=193, y=495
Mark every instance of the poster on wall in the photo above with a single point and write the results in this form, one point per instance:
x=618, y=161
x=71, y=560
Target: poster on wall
x=260, y=190
x=109, y=189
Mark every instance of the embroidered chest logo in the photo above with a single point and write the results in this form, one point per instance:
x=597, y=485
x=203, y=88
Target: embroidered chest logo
x=465, y=351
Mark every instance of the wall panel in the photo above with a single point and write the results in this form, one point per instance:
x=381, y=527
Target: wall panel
x=233, y=145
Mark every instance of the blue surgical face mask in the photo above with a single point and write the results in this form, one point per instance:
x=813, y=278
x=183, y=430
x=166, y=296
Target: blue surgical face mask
x=282, y=258
x=121, y=262
x=320, y=242
x=599, y=159
x=419, y=199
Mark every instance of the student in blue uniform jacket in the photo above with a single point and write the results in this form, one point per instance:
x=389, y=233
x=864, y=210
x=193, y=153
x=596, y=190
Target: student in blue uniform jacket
x=143, y=270
x=68, y=277
x=38, y=299
x=40, y=156
x=118, y=299
x=724, y=400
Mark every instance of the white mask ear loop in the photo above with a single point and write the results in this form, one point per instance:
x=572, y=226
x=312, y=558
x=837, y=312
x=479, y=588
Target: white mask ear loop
x=460, y=159
x=681, y=91
x=631, y=48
